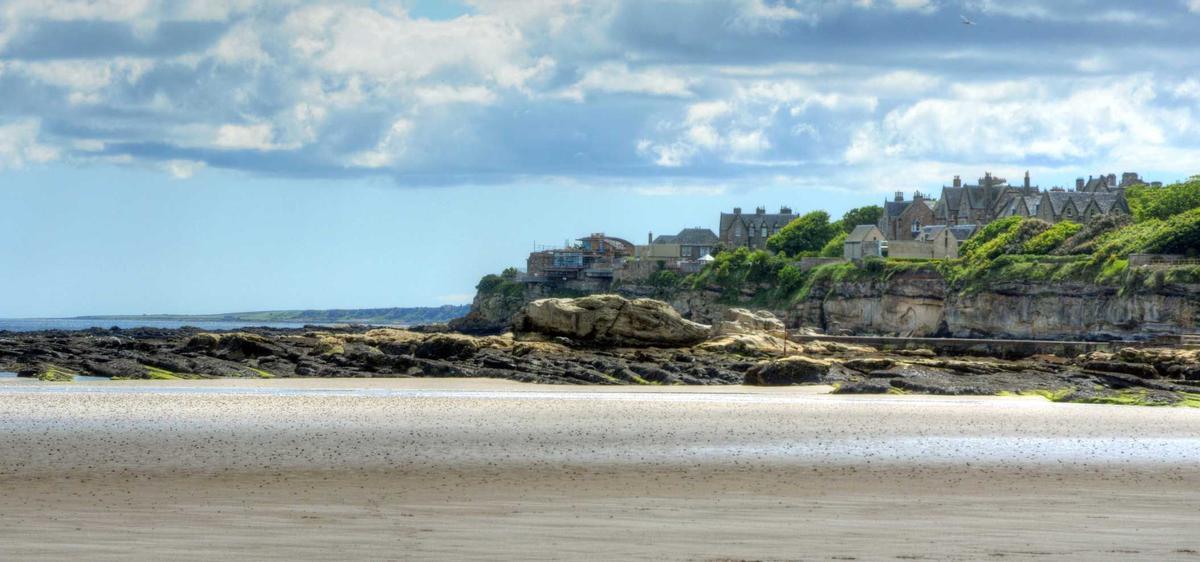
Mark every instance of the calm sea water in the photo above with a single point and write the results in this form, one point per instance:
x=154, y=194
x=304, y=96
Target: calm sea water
x=37, y=324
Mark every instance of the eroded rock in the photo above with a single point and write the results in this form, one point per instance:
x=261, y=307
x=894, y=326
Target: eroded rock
x=609, y=320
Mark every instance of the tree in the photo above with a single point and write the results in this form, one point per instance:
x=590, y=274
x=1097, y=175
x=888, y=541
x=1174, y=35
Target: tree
x=861, y=215
x=809, y=233
x=1149, y=202
x=835, y=247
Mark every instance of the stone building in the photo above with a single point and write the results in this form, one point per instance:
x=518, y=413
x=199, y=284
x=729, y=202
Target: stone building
x=863, y=241
x=693, y=243
x=993, y=198
x=903, y=220
x=981, y=203
x=751, y=231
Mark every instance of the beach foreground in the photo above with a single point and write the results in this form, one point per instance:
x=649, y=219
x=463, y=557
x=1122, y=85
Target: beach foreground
x=453, y=469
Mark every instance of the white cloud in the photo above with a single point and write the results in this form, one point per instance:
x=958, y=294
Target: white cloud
x=1089, y=123
x=183, y=169
x=259, y=136
x=613, y=77
x=1193, y=6
x=20, y=145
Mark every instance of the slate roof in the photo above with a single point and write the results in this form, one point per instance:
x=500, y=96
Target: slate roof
x=1031, y=205
x=892, y=209
x=756, y=220
x=695, y=237
x=963, y=231
x=665, y=239
x=860, y=232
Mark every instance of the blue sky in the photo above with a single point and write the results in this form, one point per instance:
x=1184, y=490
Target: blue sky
x=167, y=156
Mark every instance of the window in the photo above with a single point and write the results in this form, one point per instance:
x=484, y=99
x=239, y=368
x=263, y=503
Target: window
x=764, y=231
x=737, y=230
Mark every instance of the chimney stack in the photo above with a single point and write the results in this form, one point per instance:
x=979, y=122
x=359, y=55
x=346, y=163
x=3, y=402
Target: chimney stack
x=1026, y=179
x=957, y=181
x=1078, y=184
x=785, y=210
x=650, y=238
x=760, y=211
x=899, y=196
x=737, y=210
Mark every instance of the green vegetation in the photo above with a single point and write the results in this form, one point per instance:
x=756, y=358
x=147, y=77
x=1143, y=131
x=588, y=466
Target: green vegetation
x=1051, y=239
x=664, y=281
x=861, y=215
x=1148, y=203
x=52, y=373
x=154, y=373
x=261, y=373
x=505, y=285
x=834, y=248
x=805, y=235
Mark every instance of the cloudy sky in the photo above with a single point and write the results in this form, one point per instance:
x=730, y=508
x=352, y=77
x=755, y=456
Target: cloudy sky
x=161, y=156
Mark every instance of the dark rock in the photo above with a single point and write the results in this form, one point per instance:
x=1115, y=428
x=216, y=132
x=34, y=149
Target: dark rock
x=1139, y=370
x=447, y=346
x=868, y=364
x=788, y=371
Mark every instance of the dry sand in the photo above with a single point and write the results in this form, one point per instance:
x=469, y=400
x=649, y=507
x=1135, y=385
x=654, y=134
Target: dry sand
x=470, y=469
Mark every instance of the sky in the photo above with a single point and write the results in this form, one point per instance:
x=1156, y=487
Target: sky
x=167, y=156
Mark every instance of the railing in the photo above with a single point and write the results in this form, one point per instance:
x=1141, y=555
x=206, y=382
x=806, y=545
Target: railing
x=1144, y=260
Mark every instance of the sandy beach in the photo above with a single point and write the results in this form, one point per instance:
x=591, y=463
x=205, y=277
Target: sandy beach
x=477, y=469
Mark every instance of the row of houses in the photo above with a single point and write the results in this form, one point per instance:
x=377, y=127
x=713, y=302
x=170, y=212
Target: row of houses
x=922, y=227
x=604, y=258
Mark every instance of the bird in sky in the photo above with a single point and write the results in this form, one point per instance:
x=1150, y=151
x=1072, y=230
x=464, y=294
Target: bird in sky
x=966, y=21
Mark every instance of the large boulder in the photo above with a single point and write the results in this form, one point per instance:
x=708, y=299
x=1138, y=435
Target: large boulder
x=737, y=321
x=797, y=369
x=609, y=320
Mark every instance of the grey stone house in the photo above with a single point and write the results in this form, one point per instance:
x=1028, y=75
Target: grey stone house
x=739, y=229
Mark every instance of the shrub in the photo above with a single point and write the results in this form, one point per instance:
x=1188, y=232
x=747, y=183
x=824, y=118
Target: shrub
x=1051, y=238
x=862, y=215
x=834, y=248
x=808, y=233
x=1149, y=203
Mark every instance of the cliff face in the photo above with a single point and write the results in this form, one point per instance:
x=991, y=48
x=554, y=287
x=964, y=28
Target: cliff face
x=921, y=304
x=1071, y=310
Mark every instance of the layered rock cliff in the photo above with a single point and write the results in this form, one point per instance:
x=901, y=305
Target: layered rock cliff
x=922, y=303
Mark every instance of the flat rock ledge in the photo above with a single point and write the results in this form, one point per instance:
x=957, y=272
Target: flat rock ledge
x=602, y=340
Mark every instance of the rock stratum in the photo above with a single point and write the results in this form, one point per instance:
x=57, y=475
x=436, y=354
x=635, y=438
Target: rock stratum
x=604, y=340
x=922, y=304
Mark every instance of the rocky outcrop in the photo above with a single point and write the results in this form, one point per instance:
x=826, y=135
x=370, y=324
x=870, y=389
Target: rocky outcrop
x=789, y=371
x=609, y=320
x=1125, y=376
x=741, y=321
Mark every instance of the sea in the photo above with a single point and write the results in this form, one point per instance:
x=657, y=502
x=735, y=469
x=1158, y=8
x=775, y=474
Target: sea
x=39, y=324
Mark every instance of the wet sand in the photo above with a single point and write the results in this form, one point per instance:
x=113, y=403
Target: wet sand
x=471, y=469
